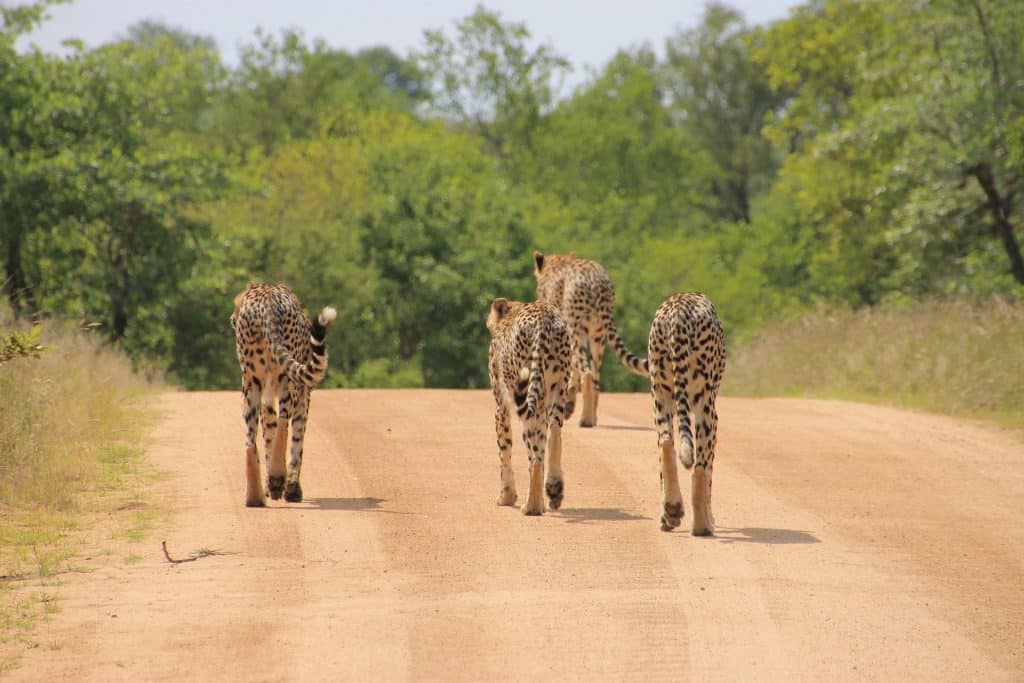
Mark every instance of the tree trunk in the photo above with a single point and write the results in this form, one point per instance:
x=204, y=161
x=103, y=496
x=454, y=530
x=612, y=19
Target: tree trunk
x=15, y=285
x=120, y=323
x=1001, y=214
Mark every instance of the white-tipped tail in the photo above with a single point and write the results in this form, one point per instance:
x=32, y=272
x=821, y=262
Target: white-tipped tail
x=328, y=315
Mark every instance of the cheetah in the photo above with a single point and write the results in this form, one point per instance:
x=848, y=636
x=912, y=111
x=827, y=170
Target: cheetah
x=282, y=357
x=529, y=369
x=686, y=355
x=584, y=293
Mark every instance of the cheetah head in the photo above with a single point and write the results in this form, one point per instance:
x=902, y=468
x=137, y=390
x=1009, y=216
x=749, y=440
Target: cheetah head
x=501, y=309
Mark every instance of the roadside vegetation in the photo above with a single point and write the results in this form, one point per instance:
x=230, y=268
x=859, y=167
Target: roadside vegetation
x=946, y=356
x=71, y=480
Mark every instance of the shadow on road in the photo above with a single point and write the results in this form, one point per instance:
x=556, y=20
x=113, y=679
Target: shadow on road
x=763, y=535
x=631, y=428
x=584, y=515
x=352, y=504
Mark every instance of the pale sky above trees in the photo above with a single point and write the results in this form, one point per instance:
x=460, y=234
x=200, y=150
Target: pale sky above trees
x=587, y=32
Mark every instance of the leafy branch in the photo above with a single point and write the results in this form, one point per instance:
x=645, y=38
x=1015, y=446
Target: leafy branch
x=20, y=344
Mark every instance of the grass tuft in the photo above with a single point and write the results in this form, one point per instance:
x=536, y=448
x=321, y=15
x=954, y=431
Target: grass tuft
x=951, y=357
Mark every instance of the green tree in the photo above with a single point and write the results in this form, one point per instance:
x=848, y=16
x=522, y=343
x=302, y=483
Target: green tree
x=489, y=78
x=440, y=232
x=149, y=32
x=99, y=190
x=285, y=89
x=613, y=153
x=907, y=129
x=33, y=131
x=721, y=97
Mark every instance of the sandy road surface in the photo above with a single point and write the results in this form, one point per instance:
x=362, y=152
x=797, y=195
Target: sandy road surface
x=854, y=543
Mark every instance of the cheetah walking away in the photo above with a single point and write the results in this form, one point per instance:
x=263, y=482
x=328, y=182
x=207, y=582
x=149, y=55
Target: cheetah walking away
x=686, y=353
x=529, y=370
x=282, y=357
x=583, y=292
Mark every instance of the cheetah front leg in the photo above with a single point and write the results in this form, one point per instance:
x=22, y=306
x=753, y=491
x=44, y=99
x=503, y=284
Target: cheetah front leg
x=254, y=495
x=503, y=433
x=661, y=391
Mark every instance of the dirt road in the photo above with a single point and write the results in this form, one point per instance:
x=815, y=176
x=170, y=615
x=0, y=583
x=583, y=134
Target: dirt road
x=854, y=543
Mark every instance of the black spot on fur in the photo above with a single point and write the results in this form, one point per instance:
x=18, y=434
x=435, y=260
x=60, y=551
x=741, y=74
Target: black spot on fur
x=519, y=394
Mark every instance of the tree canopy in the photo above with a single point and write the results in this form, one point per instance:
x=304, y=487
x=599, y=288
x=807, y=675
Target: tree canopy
x=853, y=152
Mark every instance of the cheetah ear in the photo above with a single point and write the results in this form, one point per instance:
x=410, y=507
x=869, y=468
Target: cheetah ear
x=538, y=260
x=499, y=307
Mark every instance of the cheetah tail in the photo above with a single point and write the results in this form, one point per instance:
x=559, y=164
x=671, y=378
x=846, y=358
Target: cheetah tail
x=312, y=372
x=317, y=365
x=325, y=318
x=529, y=385
x=633, y=363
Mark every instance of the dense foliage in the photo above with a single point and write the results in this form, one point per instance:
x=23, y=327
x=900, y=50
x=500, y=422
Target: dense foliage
x=853, y=153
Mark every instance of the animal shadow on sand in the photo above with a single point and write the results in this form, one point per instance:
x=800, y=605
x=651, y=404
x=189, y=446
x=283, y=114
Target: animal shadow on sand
x=350, y=504
x=630, y=428
x=764, y=535
x=585, y=515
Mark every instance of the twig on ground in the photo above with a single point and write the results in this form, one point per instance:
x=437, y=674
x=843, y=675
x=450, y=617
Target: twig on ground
x=204, y=552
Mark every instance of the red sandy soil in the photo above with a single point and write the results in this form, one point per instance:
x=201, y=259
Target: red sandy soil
x=853, y=543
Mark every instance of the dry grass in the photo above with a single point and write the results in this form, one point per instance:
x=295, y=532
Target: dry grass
x=71, y=423
x=949, y=357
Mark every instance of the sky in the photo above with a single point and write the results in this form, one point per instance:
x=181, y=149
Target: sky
x=587, y=32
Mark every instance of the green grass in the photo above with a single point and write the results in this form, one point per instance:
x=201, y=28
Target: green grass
x=71, y=426
x=951, y=357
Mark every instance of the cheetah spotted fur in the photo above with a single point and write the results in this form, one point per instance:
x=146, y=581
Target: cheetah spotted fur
x=583, y=292
x=686, y=356
x=282, y=357
x=528, y=364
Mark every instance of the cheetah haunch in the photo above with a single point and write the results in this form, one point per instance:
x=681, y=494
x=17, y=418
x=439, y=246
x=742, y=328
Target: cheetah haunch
x=282, y=357
x=584, y=293
x=686, y=354
x=529, y=370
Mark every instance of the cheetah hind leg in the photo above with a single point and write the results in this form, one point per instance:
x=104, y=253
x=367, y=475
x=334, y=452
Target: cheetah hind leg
x=672, y=495
x=703, y=520
x=534, y=504
x=275, y=435
x=588, y=416
x=293, y=492
x=554, y=484
x=570, y=395
x=535, y=438
x=254, y=495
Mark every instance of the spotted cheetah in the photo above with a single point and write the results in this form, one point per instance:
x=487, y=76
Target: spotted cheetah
x=529, y=369
x=584, y=293
x=686, y=354
x=282, y=357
